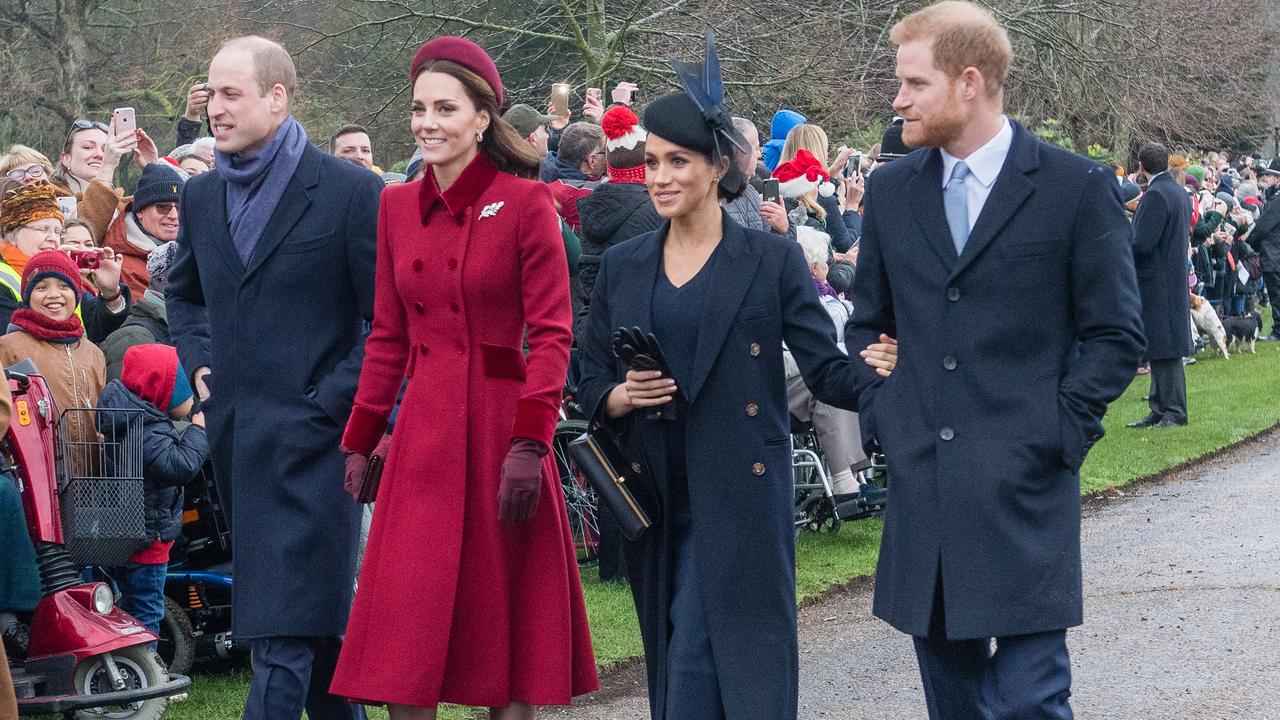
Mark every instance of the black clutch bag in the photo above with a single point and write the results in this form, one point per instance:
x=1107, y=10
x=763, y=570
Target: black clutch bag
x=601, y=463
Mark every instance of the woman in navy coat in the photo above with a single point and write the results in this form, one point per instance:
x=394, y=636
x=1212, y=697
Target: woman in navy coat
x=714, y=577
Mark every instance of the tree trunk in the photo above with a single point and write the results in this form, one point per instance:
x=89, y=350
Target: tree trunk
x=71, y=31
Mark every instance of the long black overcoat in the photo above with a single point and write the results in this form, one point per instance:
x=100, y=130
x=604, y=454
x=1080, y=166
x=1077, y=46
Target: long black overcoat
x=283, y=337
x=1009, y=355
x=1161, y=237
x=738, y=454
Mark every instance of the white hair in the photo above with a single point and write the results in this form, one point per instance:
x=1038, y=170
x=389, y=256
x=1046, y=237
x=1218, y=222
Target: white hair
x=815, y=243
x=203, y=144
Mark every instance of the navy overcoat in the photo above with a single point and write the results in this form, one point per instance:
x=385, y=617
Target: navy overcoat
x=1161, y=238
x=1009, y=355
x=283, y=337
x=738, y=453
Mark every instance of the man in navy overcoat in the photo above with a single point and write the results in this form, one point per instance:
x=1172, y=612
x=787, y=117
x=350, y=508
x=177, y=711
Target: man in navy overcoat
x=267, y=301
x=1161, y=240
x=1004, y=268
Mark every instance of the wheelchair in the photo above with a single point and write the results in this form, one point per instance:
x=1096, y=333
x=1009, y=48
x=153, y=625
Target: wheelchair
x=816, y=508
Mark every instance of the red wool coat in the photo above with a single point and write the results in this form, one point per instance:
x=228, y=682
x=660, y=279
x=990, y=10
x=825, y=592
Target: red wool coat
x=453, y=606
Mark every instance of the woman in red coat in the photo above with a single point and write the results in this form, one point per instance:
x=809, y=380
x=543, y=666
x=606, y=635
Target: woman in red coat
x=469, y=592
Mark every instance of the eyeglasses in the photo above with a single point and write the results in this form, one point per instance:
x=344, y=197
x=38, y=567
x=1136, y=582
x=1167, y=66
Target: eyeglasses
x=164, y=208
x=80, y=124
x=51, y=231
x=35, y=172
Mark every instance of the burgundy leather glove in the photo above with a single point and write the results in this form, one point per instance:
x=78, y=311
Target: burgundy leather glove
x=521, y=481
x=357, y=464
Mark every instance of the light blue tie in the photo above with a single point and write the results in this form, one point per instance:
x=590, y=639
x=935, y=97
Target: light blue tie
x=957, y=204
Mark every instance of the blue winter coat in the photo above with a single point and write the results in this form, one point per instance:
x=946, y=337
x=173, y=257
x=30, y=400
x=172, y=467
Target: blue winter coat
x=1009, y=355
x=738, y=453
x=284, y=338
x=170, y=459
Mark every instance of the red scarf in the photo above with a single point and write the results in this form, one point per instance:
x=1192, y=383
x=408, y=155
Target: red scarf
x=43, y=327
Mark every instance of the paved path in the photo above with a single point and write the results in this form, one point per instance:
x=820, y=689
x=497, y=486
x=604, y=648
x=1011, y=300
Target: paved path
x=1182, y=613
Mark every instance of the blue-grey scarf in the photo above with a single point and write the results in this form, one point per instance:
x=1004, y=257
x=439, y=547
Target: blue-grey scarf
x=255, y=184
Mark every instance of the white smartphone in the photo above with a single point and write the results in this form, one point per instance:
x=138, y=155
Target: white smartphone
x=126, y=120
x=67, y=206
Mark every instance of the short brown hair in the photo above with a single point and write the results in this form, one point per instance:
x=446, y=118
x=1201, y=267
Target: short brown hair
x=964, y=35
x=271, y=63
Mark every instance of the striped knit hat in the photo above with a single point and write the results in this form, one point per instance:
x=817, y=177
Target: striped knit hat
x=624, y=145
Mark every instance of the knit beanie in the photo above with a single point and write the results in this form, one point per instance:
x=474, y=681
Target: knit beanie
x=159, y=260
x=160, y=182
x=154, y=373
x=1197, y=172
x=624, y=145
x=50, y=264
x=27, y=204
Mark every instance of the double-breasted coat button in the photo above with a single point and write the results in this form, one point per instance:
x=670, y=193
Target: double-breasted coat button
x=758, y=468
x=422, y=348
x=948, y=363
x=753, y=410
x=953, y=294
x=755, y=349
x=422, y=309
x=947, y=434
x=635, y=467
x=417, y=266
x=453, y=263
x=455, y=307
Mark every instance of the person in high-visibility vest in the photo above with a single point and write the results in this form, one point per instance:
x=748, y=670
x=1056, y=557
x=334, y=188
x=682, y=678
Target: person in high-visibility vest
x=31, y=221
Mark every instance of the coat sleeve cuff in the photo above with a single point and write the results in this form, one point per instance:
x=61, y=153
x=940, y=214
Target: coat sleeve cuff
x=364, y=430
x=535, y=420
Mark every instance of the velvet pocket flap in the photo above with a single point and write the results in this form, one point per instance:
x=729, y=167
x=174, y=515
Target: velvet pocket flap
x=501, y=361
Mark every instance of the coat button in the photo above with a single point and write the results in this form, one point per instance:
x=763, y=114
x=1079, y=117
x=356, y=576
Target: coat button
x=422, y=309
x=947, y=434
x=462, y=348
x=953, y=294
x=755, y=349
x=753, y=410
x=455, y=307
x=948, y=363
x=758, y=468
x=417, y=266
x=453, y=263
x=635, y=468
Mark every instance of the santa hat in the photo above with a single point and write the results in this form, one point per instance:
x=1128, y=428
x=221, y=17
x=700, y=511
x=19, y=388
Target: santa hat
x=803, y=174
x=624, y=145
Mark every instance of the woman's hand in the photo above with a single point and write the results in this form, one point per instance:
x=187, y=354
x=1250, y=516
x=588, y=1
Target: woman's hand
x=593, y=108
x=107, y=276
x=883, y=356
x=775, y=216
x=642, y=389
x=854, y=188
x=841, y=160
x=146, y=150
x=117, y=147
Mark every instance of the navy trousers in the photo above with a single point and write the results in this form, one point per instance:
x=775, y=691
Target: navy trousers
x=293, y=673
x=693, y=689
x=1026, y=677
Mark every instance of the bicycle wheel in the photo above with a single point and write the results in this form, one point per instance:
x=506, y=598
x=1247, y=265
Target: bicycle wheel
x=579, y=499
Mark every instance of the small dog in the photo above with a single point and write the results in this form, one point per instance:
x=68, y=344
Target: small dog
x=1241, y=330
x=1208, y=322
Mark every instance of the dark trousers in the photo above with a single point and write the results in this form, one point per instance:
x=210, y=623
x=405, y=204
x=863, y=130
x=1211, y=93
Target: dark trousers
x=693, y=688
x=1027, y=677
x=1272, y=281
x=293, y=673
x=1168, y=396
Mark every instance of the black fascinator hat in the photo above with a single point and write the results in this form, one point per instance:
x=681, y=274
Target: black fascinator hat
x=697, y=118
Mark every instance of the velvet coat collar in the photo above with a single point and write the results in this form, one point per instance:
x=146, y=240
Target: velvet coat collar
x=464, y=191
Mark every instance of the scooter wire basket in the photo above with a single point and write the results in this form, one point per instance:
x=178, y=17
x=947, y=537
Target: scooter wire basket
x=100, y=482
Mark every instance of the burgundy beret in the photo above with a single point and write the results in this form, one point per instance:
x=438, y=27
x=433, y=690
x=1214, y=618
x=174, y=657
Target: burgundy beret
x=462, y=51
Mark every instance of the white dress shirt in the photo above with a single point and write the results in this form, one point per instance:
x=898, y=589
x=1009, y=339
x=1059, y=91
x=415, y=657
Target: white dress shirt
x=984, y=166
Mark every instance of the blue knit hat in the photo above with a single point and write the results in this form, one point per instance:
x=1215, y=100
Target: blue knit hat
x=160, y=182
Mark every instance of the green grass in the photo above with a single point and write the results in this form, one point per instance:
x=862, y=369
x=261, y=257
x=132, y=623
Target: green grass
x=1229, y=400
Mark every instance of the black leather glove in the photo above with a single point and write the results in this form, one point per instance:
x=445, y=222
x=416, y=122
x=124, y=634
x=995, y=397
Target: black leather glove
x=641, y=352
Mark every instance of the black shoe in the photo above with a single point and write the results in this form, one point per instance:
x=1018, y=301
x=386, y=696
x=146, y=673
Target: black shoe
x=1170, y=422
x=1145, y=422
